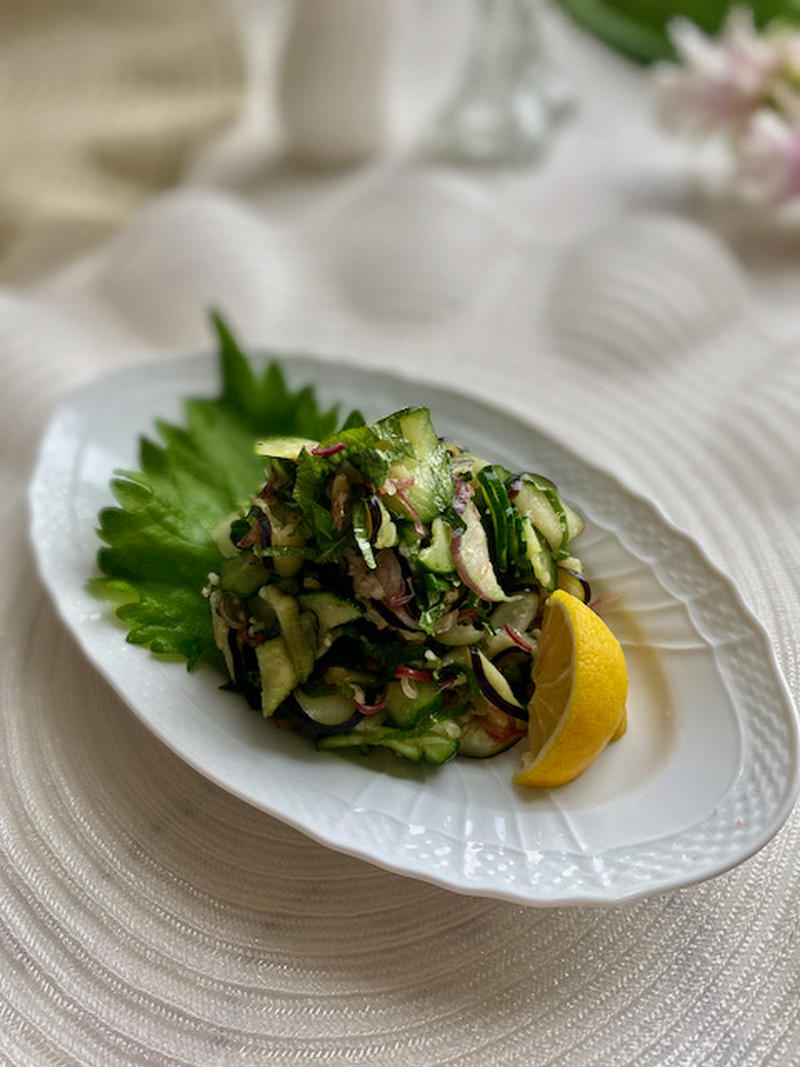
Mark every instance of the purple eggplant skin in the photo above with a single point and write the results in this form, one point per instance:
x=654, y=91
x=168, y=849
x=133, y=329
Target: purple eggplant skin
x=582, y=582
x=375, y=517
x=244, y=663
x=317, y=729
x=264, y=528
x=405, y=568
x=488, y=691
x=508, y=661
x=391, y=618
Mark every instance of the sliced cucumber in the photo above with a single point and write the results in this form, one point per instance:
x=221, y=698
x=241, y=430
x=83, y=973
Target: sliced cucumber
x=541, y=505
x=470, y=550
x=278, y=673
x=501, y=514
x=516, y=542
x=243, y=575
x=425, y=464
x=431, y=746
x=361, y=531
x=460, y=656
x=286, y=535
x=298, y=630
x=519, y=614
x=387, y=490
x=437, y=557
x=405, y=711
x=480, y=740
x=573, y=582
x=221, y=631
x=540, y=556
x=330, y=708
x=386, y=534
x=496, y=684
x=331, y=610
x=283, y=447
x=265, y=618
x=575, y=523
x=516, y=666
x=460, y=635
x=240, y=657
x=222, y=536
x=440, y=749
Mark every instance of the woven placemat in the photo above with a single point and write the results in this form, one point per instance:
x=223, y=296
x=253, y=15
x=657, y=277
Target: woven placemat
x=150, y=918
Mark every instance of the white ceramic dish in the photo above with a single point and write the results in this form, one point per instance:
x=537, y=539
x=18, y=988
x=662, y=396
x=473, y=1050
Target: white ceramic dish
x=705, y=776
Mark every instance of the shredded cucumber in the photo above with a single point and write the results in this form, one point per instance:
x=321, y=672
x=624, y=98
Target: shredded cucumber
x=391, y=587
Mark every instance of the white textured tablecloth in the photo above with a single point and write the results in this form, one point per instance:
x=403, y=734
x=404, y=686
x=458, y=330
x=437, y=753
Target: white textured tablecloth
x=146, y=917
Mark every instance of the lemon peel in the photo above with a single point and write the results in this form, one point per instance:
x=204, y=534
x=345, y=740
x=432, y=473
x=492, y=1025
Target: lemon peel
x=578, y=705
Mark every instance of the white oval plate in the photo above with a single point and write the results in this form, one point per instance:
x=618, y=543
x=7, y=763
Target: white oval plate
x=706, y=774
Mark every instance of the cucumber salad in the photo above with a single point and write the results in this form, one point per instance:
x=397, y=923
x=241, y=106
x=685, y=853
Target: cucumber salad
x=385, y=587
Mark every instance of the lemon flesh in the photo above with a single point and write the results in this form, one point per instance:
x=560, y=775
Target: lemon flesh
x=578, y=705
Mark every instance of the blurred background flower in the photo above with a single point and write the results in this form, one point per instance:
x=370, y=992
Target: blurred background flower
x=767, y=165
x=718, y=81
x=741, y=85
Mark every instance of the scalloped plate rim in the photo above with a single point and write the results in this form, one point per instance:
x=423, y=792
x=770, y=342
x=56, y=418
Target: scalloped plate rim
x=55, y=587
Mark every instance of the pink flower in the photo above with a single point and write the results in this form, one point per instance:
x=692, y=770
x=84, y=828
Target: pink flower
x=721, y=80
x=767, y=167
x=786, y=40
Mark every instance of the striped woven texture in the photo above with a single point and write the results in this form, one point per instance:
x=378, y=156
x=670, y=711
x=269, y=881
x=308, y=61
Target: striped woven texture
x=148, y=917
x=104, y=101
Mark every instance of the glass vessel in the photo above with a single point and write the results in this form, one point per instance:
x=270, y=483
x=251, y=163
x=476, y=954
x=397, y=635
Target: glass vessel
x=508, y=99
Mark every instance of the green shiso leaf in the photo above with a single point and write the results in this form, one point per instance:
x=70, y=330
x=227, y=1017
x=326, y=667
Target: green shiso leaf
x=364, y=450
x=158, y=544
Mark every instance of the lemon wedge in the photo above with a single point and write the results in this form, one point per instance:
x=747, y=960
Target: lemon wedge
x=578, y=705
